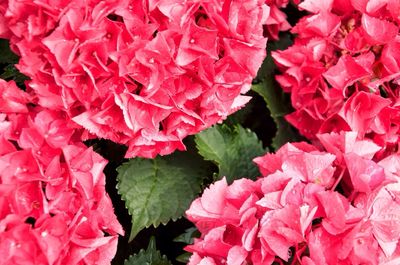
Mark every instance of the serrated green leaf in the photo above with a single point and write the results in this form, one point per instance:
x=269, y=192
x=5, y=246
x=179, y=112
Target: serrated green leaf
x=150, y=256
x=188, y=236
x=232, y=150
x=158, y=190
x=184, y=258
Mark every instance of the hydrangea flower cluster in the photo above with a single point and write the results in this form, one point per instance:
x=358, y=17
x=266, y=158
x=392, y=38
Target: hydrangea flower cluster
x=141, y=73
x=53, y=206
x=343, y=70
x=335, y=202
x=294, y=214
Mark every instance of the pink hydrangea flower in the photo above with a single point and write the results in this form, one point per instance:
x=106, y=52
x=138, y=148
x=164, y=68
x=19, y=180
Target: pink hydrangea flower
x=342, y=71
x=145, y=74
x=294, y=212
x=54, y=208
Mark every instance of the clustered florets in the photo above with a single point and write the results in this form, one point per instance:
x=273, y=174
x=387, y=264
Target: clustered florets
x=294, y=213
x=141, y=73
x=148, y=73
x=337, y=201
x=343, y=70
x=53, y=207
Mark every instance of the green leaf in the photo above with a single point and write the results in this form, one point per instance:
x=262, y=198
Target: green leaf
x=277, y=101
x=232, y=150
x=273, y=96
x=188, y=236
x=158, y=190
x=278, y=107
x=184, y=258
x=150, y=256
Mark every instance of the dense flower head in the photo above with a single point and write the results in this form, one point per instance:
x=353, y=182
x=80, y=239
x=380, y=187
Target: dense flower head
x=53, y=206
x=142, y=73
x=294, y=212
x=343, y=70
